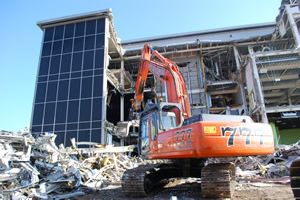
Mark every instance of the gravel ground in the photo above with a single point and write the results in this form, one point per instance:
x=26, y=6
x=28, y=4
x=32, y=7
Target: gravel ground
x=190, y=189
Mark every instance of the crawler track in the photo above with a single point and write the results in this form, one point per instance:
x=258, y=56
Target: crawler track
x=218, y=180
x=137, y=182
x=295, y=178
x=140, y=181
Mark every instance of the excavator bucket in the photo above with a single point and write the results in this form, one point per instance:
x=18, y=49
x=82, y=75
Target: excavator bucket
x=295, y=178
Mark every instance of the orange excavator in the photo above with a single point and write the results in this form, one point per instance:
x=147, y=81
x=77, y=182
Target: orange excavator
x=181, y=142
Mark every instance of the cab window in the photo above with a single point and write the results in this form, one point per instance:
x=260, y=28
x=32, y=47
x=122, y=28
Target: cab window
x=153, y=125
x=144, y=135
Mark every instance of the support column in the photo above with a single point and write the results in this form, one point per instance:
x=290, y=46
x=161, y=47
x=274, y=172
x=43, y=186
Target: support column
x=259, y=91
x=207, y=97
x=238, y=66
x=293, y=25
x=105, y=138
x=122, y=97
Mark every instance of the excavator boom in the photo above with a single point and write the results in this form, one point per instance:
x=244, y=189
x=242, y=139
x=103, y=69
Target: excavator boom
x=166, y=71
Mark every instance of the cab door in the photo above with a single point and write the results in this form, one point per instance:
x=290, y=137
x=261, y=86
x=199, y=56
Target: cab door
x=144, y=143
x=153, y=131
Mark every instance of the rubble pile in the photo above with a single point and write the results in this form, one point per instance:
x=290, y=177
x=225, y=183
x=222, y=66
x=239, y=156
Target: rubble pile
x=275, y=166
x=36, y=168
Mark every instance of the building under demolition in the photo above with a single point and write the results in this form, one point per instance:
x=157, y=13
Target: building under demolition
x=86, y=75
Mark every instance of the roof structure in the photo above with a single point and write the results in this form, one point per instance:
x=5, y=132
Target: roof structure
x=76, y=18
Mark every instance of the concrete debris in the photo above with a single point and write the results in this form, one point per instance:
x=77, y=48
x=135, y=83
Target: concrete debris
x=33, y=168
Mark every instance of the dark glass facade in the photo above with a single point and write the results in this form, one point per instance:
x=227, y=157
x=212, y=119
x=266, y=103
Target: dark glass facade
x=69, y=89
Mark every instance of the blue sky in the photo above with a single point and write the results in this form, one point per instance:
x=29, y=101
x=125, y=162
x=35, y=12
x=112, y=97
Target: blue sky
x=20, y=38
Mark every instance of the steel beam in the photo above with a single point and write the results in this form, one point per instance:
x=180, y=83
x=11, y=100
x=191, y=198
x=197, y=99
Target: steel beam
x=273, y=94
x=284, y=77
x=275, y=53
x=219, y=92
x=293, y=26
x=259, y=91
x=276, y=109
x=280, y=66
x=206, y=48
x=282, y=86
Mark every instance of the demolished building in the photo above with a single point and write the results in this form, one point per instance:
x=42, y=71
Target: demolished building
x=85, y=77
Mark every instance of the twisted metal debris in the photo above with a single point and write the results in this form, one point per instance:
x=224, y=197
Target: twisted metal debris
x=36, y=168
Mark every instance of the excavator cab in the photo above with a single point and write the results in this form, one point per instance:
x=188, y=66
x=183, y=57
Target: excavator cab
x=157, y=118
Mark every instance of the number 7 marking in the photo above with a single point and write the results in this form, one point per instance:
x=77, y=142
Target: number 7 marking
x=232, y=132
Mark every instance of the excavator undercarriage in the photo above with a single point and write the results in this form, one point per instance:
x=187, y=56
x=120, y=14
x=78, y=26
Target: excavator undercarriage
x=217, y=180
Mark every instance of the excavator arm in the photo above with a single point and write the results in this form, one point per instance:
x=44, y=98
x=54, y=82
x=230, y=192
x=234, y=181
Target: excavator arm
x=167, y=72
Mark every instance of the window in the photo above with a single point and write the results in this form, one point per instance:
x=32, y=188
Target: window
x=100, y=25
x=88, y=60
x=89, y=42
x=56, y=49
x=168, y=121
x=153, y=125
x=99, y=61
x=84, y=135
x=78, y=44
x=65, y=63
x=48, y=34
x=73, y=111
x=98, y=86
x=79, y=29
x=58, y=34
x=68, y=45
x=51, y=91
x=97, y=109
x=46, y=49
x=38, y=114
x=49, y=113
x=96, y=135
x=144, y=135
x=90, y=27
x=40, y=92
x=61, y=109
x=77, y=61
x=69, y=30
x=63, y=90
x=54, y=66
x=100, y=41
x=86, y=87
x=74, y=89
x=44, y=66
x=85, y=110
